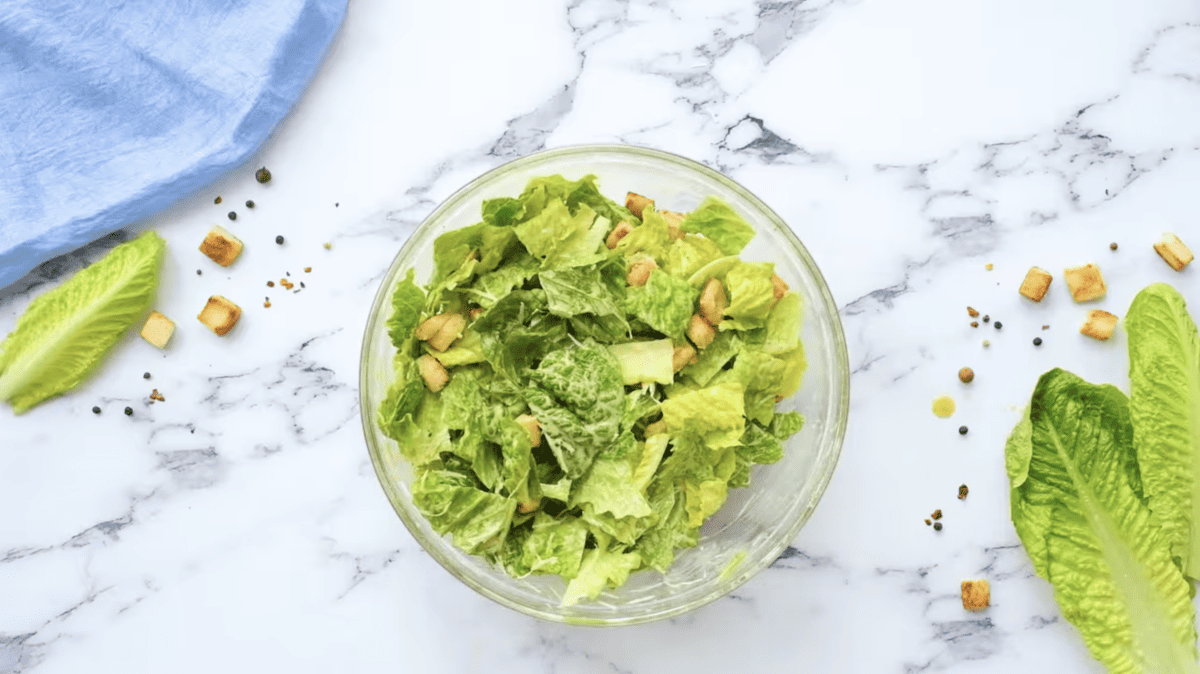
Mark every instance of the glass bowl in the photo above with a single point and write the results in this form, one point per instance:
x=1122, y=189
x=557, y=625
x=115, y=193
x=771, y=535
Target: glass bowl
x=757, y=522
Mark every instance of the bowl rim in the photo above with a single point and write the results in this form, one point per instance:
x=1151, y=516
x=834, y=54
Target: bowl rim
x=839, y=410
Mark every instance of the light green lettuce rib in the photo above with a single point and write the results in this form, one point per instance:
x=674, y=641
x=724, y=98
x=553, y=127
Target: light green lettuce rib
x=1079, y=511
x=1164, y=375
x=65, y=333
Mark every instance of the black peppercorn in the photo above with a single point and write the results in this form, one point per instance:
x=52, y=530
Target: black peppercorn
x=249, y=203
x=279, y=240
x=1037, y=341
x=96, y=410
x=197, y=272
x=232, y=215
x=999, y=325
x=987, y=319
x=962, y=430
x=146, y=375
x=937, y=526
x=128, y=411
x=262, y=175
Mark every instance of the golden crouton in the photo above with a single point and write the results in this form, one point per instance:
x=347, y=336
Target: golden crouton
x=1099, y=325
x=1036, y=283
x=441, y=330
x=434, y=374
x=158, y=330
x=619, y=232
x=639, y=271
x=976, y=595
x=1085, y=282
x=1173, y=251
x=713, y=301
x=779, y=287
x=636, y=203
x=221, y=246
x=674, y=222
x=220, y=314
x=700, y=332
x=683, y=355
x=535, y=429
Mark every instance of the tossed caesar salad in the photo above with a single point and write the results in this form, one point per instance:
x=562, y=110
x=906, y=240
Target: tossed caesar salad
x=581, y=382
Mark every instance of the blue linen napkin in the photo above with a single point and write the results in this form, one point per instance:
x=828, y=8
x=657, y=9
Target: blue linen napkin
x=111, y=110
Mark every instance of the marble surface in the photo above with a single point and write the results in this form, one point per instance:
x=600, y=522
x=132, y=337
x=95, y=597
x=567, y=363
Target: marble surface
x=238, y=525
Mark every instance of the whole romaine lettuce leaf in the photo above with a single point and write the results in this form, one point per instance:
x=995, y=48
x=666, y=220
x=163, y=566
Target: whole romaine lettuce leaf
x=1164, y=380
x=1077, y=504
x=64, y=334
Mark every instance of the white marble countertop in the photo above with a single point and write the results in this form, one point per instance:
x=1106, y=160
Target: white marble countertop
x=238, y=525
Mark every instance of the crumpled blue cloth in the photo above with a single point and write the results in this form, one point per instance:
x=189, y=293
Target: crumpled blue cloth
x=111, y=110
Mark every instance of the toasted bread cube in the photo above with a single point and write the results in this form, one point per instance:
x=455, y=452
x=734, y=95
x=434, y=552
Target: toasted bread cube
x=430, y=327
x=639, y=271
x=636, y=203
x=713, y=301
x=1100, y=324
x=619, y=232
x=535, y=429
x=440, y=331
x=1036, y=283
x=674, y=222
x=158, y=330
x=683, y=355
x=779, y=287
x=1173, y=251
x=1085, y=282
x=220, y=314
x=221, y=246
x=976, y=595
x=434, y=374
x=700, y=332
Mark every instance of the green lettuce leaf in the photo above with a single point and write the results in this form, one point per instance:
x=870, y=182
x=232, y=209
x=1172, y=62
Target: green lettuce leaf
x=1080, y=513
x=689, y=254
x=407, y=301
x=644, y=362
x=652, y=237
x=539, y=191
x=719, y=223
x=477, y=520
x=751, y=295
x=555, y=546
x=665, y=303
x=672, y=531
x=570, y=292
x=1164, y=379
x=490, y=288
x=577, y=396
x=715, y=414
x=713, y=359
x=561, y=239
x=64, y=334
x=783, y=325
x=601, y=567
